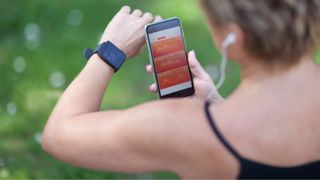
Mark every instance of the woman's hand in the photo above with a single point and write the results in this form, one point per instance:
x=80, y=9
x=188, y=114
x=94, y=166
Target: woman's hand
x=126, y=30
x=203, y=84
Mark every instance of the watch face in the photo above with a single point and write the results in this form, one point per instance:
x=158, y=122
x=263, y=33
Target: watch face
x=111, y=54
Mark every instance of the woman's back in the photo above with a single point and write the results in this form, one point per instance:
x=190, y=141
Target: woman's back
x=274, y=121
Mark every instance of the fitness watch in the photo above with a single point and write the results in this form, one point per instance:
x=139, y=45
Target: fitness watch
x=109, y=53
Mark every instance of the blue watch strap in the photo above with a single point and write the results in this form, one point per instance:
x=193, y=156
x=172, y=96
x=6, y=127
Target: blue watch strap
x=87, y=53
x=109, y=53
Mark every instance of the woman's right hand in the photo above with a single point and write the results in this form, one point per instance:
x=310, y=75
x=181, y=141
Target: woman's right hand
x=126, y=30
x=203, y=84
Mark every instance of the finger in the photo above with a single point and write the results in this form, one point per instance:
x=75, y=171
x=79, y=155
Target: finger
x=137, y=13
x=147, y=17
x=153, y=88
x=195, y=66
x=149, y=68
x=125, y=9
x=157, y=18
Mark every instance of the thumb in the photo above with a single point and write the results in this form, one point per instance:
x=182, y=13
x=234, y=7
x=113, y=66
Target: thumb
x=195, y=66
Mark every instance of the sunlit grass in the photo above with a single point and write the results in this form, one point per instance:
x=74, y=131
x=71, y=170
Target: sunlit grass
x=28, y=97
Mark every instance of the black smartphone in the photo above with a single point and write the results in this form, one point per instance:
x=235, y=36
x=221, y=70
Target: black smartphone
x=168, y=56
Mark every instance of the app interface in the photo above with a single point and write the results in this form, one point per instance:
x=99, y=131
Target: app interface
x=170, y=60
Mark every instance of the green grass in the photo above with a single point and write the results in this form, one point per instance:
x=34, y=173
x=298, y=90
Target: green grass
x=317, y=57
x=60, y=49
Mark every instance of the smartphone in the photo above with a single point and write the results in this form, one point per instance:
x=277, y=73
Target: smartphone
x=168, y=56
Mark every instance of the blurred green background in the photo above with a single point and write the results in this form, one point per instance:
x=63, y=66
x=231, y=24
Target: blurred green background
x=41, y=44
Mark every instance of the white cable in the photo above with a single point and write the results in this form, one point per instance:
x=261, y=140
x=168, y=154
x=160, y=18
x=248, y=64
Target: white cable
x=223, y=65
x=231, y=38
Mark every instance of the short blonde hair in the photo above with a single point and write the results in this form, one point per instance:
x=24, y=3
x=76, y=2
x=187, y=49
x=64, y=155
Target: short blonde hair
x=274, y=30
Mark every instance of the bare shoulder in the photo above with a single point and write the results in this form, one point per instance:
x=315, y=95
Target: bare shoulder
x=181, y=131
x=173, y=118
x=173, y=115
x=177, y=113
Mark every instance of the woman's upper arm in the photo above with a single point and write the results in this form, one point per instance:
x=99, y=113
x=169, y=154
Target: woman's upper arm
x=130, y=140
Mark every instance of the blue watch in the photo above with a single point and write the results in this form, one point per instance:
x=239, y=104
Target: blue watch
x=109, y=53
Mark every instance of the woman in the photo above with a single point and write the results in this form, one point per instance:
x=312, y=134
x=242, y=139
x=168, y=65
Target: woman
x=268, y=128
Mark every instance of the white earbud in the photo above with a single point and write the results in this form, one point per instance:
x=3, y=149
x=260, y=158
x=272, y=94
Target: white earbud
x=230, y=39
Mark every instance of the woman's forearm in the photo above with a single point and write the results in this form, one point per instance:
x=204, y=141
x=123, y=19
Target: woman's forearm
x=125, y=31
x=85, y=93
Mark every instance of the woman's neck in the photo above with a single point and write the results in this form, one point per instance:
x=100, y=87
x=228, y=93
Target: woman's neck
x=259, y=72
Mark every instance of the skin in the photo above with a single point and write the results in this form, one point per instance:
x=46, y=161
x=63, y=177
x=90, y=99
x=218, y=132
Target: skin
x=272, y=117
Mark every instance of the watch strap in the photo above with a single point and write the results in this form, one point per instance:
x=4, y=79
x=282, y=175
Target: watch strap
x=109, y=53
x=87, y=53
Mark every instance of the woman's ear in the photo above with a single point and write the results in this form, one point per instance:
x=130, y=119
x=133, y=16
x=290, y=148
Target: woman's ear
x=219, y=33
x=234, y=38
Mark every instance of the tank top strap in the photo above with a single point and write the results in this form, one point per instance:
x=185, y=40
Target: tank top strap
x=218, y=134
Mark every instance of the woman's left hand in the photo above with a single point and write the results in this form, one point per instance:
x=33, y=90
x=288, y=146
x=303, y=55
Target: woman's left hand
x=126, y=30
x=203, y=84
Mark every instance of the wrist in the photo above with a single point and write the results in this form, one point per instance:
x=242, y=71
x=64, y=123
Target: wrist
x=117, y=43
x=95, y=58
x=107, y=52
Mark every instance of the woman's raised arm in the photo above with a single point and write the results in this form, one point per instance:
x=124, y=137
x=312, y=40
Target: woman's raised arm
x=150, y=137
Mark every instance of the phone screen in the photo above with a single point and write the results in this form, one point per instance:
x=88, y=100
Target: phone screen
x=169, y=59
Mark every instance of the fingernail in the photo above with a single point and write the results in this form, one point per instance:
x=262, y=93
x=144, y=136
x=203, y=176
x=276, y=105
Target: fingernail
x=152, y=87
x=194, y=53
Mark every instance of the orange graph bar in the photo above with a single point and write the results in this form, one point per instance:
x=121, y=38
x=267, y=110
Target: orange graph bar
x=173, y=77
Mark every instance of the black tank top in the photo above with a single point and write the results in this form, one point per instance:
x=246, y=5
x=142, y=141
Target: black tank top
x=254, y=170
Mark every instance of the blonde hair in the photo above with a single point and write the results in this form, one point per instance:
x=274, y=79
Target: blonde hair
x=274, y=30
